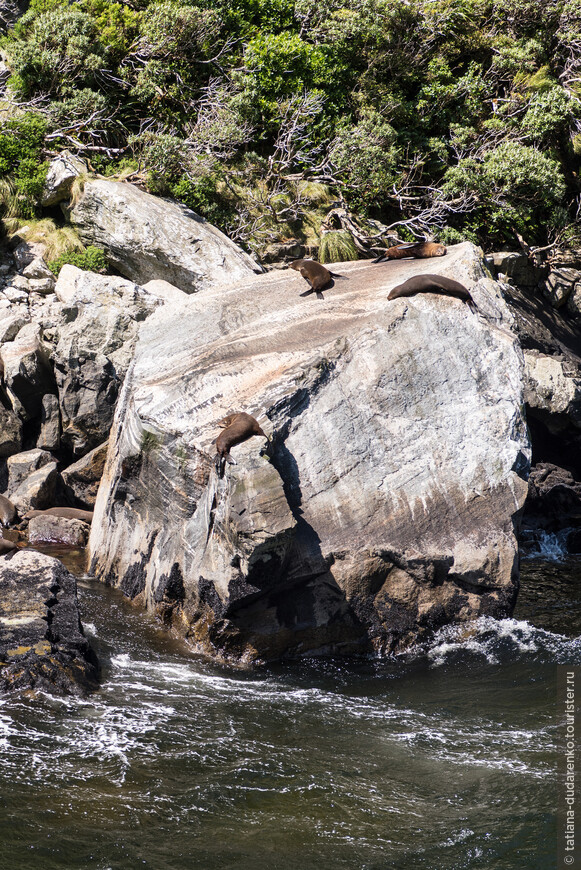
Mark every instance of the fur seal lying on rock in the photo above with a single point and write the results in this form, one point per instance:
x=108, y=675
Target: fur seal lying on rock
x=316, y=274
x=238, y=427
x=433, y=284
x=7, y=546
x=418, y=250
x=7, y=511
x=66, y=513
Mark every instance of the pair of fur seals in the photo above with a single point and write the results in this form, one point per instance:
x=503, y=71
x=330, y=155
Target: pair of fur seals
x=66, y=513
x=237, y=427
x=418, y=250
x=316, y=274
x=433, y=284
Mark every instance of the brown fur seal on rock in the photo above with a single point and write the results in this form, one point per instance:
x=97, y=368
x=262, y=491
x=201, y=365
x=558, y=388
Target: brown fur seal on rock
x=418, y=250
x=316, y=274
x=229, y=419
x=7, y=546
x=7, y=511
x=433, y=284
x=241, y=427
x=66, y=513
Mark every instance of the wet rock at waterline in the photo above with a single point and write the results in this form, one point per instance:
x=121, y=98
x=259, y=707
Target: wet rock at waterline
x=554, y=499
x=42, y=644
x=48, y=529
x=149, y=238
x=387, y=503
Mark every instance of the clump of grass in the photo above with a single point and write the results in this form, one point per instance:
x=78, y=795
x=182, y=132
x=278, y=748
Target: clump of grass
x=149, y=441
x=337, y=246
x=57, y=240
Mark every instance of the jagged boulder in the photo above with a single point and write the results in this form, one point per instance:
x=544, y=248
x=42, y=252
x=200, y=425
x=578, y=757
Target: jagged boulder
x=50, y=424
x=96, y=334
x=22, y=465
x=10, y=433
x=82, y=478
x=149, y=238
x=37, y=491
x=386, y=502
x=60, y=176
x=554, y=498
x=28, y=373
x=42, y=643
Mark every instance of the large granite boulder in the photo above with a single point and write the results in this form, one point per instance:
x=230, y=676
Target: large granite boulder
x=386, y=502
x=148, y=238
x=42, y=644
x=96, y=334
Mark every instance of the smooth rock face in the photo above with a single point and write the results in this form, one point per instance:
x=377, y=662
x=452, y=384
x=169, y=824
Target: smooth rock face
x=42, y=644
x=149, y=238
x=396, y=474
x=97, y=331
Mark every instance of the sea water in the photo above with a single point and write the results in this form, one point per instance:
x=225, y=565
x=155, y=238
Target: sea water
x=443, y=758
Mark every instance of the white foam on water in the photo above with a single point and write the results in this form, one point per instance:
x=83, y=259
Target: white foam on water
x=492, y=638
x=551, y=546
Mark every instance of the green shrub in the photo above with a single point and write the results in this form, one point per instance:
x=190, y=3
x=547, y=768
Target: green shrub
x=22, y=165
x=90, y=260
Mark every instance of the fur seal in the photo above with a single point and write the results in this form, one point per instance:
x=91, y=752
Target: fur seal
x=433, y=284
x=241, y=427
x=66, y=513
x=7, y=546
x=316, y=274
x=7, y=511
x=417, y=250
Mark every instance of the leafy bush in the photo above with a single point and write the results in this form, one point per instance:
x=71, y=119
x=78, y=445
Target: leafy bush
x=21, y=141
x=90, y=260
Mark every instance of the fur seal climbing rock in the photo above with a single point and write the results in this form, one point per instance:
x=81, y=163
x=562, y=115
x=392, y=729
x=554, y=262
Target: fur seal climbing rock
x=66, y=513
x=240, y=427
x=7, y=511
x=316, y=274
x=418, y=250
x=433, y=284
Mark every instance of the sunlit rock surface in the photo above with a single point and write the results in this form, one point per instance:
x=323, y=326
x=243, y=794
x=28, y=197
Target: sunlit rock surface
x=387, y=503
x=148, y=238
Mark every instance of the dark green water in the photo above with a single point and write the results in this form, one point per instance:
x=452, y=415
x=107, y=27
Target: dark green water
x=442, y=760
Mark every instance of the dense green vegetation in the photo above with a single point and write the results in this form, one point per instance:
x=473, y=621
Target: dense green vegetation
x=456, y=118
